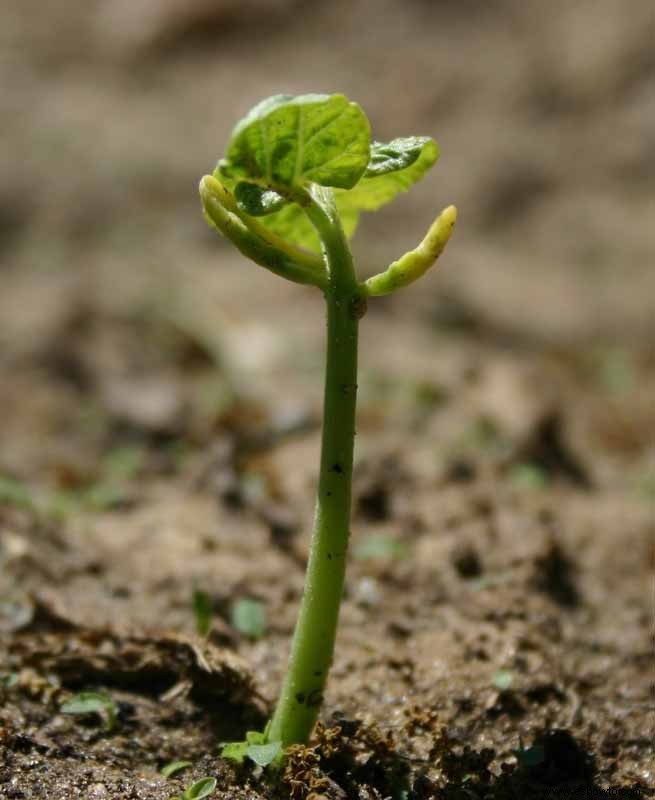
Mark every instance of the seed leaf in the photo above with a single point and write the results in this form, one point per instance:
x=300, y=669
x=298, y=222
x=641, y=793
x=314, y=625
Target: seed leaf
x=395, y=155
x=289, y=141
x=264, y=754
x=235, y=751
x=174, y=767
x=202, y=611
x=92, y=702
x=249, y=618
x=202, y=788
x=256, y=748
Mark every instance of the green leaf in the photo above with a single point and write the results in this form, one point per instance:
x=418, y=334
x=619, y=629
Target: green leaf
x=395, y=155
x=90, y=703
x=202, y=611
x=235, y=751
x=256, y=737
x=173, y=767
x=288, y=141
x=256, y=201
x=394, y=168
x=249, y=618
x=291, y=224
x=256, y=748
x=202, y=788
x=264, y=754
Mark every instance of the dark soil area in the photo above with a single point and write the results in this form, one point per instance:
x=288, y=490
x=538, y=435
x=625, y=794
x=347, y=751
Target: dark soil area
x=161, y=403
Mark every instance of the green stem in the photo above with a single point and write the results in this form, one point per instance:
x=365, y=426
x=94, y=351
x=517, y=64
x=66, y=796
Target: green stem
x=313, y=642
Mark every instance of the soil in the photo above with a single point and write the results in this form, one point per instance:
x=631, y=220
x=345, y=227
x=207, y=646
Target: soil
x=161, y=404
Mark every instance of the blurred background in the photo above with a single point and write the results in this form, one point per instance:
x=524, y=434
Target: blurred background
x=113, y=290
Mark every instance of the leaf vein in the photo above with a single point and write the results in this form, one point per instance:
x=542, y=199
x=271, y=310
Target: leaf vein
x=346, y=151
x=326, y=124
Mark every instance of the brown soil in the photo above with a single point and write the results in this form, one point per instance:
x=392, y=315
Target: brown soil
x=161, y=410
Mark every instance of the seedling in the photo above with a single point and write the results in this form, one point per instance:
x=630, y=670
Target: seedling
x=93, y=703
x=202, y=611
x=249, y=618
x=202, y=788
x=173, y=767
x=256, y=747
x=297, y=173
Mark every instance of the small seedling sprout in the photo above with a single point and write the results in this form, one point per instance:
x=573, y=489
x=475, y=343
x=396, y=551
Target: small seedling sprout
x=297, y=173
x=173, y=767
x=202, y=612
x=249, y=618
x=202, y=788
x=93, y=703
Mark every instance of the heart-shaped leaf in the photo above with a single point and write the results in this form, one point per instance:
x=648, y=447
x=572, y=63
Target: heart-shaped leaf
x=289, y=141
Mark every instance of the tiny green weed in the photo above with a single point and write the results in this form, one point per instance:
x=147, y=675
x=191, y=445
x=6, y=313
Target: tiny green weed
x=256, y=747
x=173, y=767
x=196, y=791
x=202, y=611
x=249, y=618
x=93, y=703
